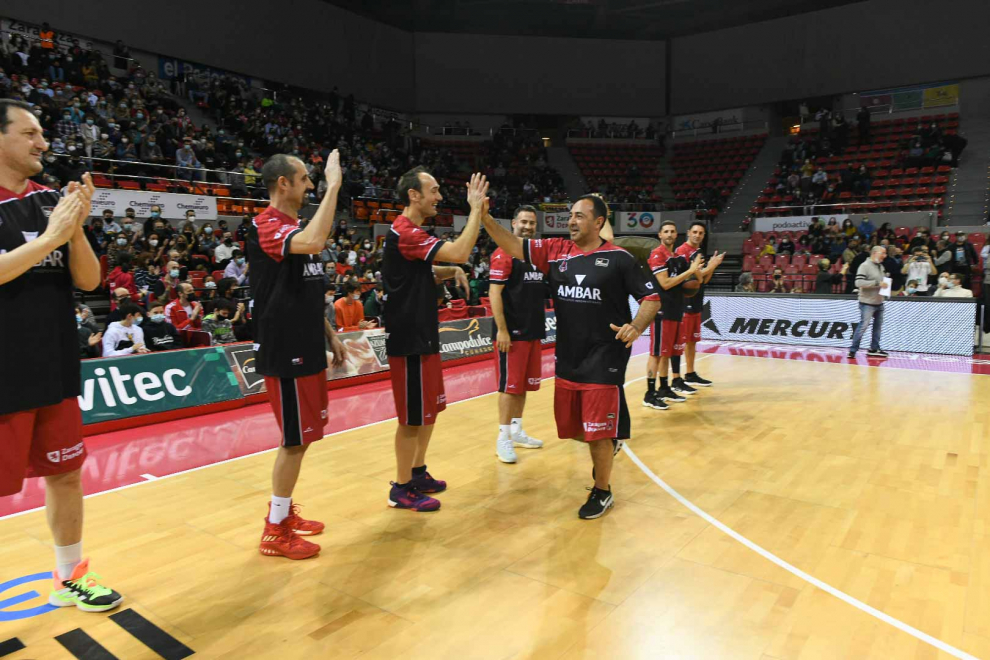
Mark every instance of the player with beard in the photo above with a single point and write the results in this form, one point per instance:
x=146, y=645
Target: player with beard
x=693, y=307
x=667, y=336
x=44, y=255
x=591, y=281
x=518, y=295
x=291, y=332
x=413, y=340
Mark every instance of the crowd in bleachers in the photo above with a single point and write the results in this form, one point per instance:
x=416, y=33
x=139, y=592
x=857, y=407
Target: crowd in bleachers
x=896, y=164
x=824, y=259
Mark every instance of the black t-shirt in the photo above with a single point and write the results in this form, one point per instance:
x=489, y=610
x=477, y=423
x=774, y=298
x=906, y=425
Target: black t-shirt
x=161, y=336
x=411, y=318
x=671, y=300
x=590, y=291
x=522, y=298
x=287, y=308
x=695, y=303
x=39, y=358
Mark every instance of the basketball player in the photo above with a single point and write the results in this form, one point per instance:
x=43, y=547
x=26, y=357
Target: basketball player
x=413, y=342
x=518, y=293
x=693, y=307
x=290, y=331
x=591, y=281
x=667, y=337
x=43, y=255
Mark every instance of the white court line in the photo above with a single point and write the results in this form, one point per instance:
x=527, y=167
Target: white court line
x=872, y=611
x=149, y=477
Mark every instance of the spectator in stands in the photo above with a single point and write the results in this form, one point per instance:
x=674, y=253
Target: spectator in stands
x=224, y=252
x=125, y=337
x=186, y=311
x=919, y=268
x=951, y=286
x=885, y=232
x=746, y=284
x=110, y=224
x=910, y=289
x=219, y=323
x=824, y=280
x=848, y=228
x=159, y=334
x=374, y=304
x=121, y=276
x=964, y=257
x=187, y=163
x=819, y=182
x=89, y=341
x=866, y=228
x=769, y=248
x=119, y=298
x=330, y=309
x=237, y=268
x=349, y=310
x=779, y=285
x=893, y=263
x=786, y=246
x=854, y=264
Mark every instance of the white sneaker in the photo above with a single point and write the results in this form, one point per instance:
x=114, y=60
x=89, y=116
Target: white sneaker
x=523, y=440
x=504, y=450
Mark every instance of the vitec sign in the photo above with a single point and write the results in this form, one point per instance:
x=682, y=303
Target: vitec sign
x=121, y=387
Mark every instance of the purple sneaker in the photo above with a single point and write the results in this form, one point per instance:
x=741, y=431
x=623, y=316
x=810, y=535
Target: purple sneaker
x=407, y=497
x=424, y=483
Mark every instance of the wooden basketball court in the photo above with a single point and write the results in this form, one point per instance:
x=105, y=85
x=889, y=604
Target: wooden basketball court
x=873, y=481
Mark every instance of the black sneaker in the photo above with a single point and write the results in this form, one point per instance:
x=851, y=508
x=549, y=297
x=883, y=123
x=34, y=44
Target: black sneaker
x=697, y=381
x=877, y=353
x=667, y=394
x=851, y=355
x=599, y=501
x=679, y=386
x=651, y=400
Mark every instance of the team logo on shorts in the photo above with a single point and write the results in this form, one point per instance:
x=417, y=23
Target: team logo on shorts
x=54, y=456
x=611, y=416
x=593, y=427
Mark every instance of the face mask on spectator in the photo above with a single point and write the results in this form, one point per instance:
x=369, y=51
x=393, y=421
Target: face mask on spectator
x=78, y=319
x=104, y=136
x=140, y=115
x=911, y=290
x=138, y=320
x=207, y=229
x=211, y=285
x=66, y=116
x=121, y=242
x=156, y=214
x=173, y=273
x=89, y=122
x=240, y=261
x=128, y=226
x=156, y=318
x=949, y=283
x=153, y=242
x=192, y=297
x=191, y=217
x=123, y=140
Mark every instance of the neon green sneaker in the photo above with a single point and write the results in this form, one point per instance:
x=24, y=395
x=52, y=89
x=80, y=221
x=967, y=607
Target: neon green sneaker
x=84, y=591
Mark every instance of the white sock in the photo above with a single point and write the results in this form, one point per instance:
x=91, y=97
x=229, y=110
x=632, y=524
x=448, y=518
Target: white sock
x=516, y=426
x=67, y=557
x=280, y=509
x=504, y=430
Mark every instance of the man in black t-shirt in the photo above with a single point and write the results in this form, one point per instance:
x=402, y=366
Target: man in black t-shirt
x=44, y=253
x=290, y=332
x=518, y=295
x=591, y=281
x=413, y=340
x=693, y=307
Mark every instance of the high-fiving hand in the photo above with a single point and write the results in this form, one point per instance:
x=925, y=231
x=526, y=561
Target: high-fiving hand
x=477, y=191
x=333, y=172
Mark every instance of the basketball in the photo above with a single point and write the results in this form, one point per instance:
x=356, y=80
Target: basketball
x=691, y=288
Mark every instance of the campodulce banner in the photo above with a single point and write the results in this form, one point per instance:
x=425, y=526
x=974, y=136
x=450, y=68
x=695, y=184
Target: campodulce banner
x=910, y=325
x=173, y=205
x=31, y=32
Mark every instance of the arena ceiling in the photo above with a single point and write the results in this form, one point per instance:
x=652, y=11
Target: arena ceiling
x=610, y=19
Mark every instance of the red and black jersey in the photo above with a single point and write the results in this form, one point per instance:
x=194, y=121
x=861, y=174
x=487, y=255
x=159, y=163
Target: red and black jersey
x=696, y=303
x=590, y=291
x=39, y=358
x=410, y=290
x=523, y=297
x=288, y=304
x=671, y=300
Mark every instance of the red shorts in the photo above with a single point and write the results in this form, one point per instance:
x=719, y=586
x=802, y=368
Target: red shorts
x=300, y=406
x=417, y=387
x=39, y=443
x=669, y=340
x=589, y=412
x=691, y=327
x=520, y=369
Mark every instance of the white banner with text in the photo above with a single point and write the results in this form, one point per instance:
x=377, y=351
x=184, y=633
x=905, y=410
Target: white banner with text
x=173, y=205
x=795, y=222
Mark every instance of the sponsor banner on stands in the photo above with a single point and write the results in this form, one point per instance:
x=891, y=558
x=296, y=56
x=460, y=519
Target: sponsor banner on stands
x=915, y=326
x=555, y=222
x=638, y=222
x=936, y=97
x=174, y=205
x=170, y=68
x=117, y=388
x=365, y=355
x=726, y=120
x=30, y=32
x=466, y=337
x=795, y=222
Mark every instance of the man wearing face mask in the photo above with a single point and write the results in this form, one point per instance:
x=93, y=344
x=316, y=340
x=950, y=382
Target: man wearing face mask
x=237, y=268
x=350, y=310
x=919, y=267
x=121, y=297
x=151, y=152
x=224, y=252
x=110, y=225
x=125, y=337
x=220, y=324
x=186, y=311
x=90, y=134
x=951, y=286
x=869, y=281
x=824, y=280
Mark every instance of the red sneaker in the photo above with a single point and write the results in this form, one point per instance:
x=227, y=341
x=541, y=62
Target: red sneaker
x=294, y=522
x=281, y=541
